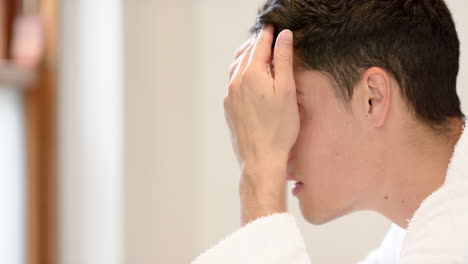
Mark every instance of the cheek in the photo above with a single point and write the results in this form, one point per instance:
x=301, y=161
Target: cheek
x=323, y=153
x=324, y=162
x=317, y=150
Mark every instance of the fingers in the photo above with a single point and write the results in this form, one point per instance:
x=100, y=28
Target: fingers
x=246, y=58
x=240, y=57
x=241, y=63
x=244, y=46
x=283, y=59
x=256, y=52
x=261, y=53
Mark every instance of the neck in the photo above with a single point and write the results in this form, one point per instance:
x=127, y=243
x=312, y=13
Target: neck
x=417, y=169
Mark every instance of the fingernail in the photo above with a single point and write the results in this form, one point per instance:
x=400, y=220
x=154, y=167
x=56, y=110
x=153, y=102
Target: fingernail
x=286, y=36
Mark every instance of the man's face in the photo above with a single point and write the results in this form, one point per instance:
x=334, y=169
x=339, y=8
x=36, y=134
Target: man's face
x=332, y=153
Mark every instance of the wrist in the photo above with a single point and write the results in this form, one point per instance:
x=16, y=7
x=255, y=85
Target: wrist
x=267, y=167
x=262, y=190
x=263, y=181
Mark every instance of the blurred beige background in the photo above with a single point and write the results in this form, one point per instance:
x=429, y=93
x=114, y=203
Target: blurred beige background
x=180, y=174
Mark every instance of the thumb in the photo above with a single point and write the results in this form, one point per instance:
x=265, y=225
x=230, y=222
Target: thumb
x=283, y=57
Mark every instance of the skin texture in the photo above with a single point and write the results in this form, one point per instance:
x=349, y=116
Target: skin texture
x=369, y=156
x=372, y=154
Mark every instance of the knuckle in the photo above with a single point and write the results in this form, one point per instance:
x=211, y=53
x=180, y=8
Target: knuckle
x=232, y=87
x=233, y=84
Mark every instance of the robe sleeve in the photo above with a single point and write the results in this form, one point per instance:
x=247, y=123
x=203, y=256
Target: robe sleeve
x=272, y=239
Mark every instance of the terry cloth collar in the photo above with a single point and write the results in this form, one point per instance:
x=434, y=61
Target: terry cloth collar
x=438, y=230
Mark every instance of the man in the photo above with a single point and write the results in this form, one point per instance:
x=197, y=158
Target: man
x=357, y=103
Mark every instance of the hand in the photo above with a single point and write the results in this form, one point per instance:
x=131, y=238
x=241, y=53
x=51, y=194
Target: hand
x=262, y=113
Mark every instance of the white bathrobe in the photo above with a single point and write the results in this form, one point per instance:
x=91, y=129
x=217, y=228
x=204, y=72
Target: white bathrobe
x=436, y=234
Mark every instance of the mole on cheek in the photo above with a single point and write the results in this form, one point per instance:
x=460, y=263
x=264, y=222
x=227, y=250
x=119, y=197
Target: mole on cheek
x=386, y=197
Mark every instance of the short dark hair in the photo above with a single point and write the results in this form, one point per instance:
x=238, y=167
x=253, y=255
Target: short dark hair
x=413, y=40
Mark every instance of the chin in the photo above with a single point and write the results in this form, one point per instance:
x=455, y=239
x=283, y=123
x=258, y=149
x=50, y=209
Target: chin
x=317, y=220
x=320, y=216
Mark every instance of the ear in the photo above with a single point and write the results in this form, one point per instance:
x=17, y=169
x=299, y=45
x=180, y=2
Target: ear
x=377, y=93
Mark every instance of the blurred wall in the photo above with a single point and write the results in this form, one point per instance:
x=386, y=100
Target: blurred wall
x=458, y=9
x=160, y=132
x=180, y=171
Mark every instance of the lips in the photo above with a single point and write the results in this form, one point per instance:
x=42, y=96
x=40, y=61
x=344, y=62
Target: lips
x=290, y=178
x=297, y=188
